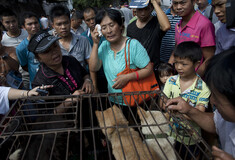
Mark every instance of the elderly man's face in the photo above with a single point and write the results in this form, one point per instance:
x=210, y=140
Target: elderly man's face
x=220, y=9
x=89, y=18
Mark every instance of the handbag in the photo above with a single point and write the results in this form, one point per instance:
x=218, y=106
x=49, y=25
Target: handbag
x=147, y=84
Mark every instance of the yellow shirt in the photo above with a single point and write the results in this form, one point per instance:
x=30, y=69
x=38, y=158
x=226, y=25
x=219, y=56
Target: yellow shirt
x=197, y=93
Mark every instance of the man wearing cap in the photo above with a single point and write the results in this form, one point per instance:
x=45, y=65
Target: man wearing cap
x=65, y=73
x=149, y=29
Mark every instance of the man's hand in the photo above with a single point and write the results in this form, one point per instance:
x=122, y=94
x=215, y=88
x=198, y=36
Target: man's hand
x=219, y=154
x=178, y=104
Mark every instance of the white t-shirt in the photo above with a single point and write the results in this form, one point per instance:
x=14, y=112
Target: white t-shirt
x=14, y=41
x=226, y=132
x=44, y=22
x=4, y=102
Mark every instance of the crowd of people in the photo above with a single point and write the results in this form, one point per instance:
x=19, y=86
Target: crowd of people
x=82, y=52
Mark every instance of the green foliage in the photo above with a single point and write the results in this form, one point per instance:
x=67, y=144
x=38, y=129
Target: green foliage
x=81, y=4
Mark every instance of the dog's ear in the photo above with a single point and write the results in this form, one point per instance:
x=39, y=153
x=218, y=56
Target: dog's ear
x=99, y=118
x=167, y=116
x=142, y=113
x=119, y=116
x=105, y=120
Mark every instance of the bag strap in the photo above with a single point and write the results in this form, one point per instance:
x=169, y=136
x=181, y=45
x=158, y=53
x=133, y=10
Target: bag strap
x=127, y=64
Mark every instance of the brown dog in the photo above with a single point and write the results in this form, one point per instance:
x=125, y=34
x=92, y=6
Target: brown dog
x=158, y=128
x=123, y=139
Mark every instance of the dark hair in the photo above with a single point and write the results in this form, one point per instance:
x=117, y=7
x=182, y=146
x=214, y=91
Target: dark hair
x=164, y=68
x=123, y=2
x=77, y=15
x=220, y=74
x=58, y=11
x=190, y=50
x=88, y=10
x=26, y=15
x=113, y=14
x=6, y=13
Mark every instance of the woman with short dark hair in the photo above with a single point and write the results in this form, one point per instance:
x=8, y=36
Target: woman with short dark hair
x=111, y=53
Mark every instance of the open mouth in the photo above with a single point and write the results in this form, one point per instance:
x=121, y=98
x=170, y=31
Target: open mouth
x=110, y=37
x=56, y=58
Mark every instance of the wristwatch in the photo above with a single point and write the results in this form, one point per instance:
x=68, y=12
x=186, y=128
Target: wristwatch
x=5, y=56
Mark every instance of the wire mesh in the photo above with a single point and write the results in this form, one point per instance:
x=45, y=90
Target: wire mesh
x=95, y=127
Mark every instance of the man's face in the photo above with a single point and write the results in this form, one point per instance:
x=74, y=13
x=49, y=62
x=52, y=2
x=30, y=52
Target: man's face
x=89, y=18
x=225, y=108
x=183, y=8
x=75, y=23
x=62, y=26
x=202, y=4
x=31, y=25
x=220, y=9
x=10, y=23
x=143, y=14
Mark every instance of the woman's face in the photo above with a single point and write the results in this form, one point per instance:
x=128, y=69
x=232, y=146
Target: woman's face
x=51, y=57
x=111, y=30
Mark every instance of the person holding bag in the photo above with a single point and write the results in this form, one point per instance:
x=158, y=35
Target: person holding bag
x=112, y=52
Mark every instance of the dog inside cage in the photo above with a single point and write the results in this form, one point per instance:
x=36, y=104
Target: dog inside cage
x=95, y=127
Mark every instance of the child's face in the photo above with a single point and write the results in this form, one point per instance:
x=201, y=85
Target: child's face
x=164, y=76
x=184, y=67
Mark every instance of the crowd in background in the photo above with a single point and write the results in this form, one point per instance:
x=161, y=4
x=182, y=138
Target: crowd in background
x=82, y=52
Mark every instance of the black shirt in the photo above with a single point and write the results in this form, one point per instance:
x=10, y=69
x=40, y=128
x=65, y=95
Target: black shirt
x=63, y=84
x=150, y=37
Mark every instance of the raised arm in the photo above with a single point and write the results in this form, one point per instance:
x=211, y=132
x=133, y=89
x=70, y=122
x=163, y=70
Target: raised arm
x=161, y=16
x=94, y=62
x=208, y=52
x=11, y=59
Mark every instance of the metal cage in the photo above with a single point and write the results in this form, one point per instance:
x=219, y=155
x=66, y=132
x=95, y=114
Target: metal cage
x=33, y=129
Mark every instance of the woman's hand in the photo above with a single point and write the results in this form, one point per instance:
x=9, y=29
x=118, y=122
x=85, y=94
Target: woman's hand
x=88, y=86
x=121, y=81
x=219, y=154
x=95, y=36
x=34, y=91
